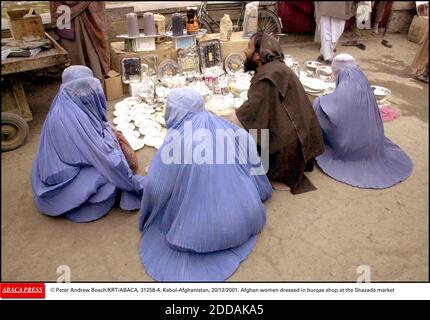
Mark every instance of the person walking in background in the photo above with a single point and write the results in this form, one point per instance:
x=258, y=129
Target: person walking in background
x=379, y=8
x=331, y=16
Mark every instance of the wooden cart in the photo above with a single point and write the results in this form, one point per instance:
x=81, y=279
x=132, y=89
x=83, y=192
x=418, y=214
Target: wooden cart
x=15, y=108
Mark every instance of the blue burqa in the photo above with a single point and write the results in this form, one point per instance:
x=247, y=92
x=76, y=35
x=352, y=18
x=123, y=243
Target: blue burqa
x=79, y=169
x=200, y=220
x=356, y=150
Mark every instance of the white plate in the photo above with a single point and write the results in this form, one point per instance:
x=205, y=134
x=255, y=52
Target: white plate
x=122, y=106
x=308, y=90
x=127, y=133
x=381, y=92
x=150, y=130
x=244, y=95
x=162, y=92
x=233, y=63
x=136, y=144
x=140, y=105
x=154, y=141
x=160, y=119
x=119, y=120
x=157, y=141
x=121, y=114
x=314, y=84
x=159, y=109
x=147, y=122
x=141, y=116
x=131, y=101
x=237, y=103
x=325, y=71
x=163, y=132
x=125, y=126
x=146, y=112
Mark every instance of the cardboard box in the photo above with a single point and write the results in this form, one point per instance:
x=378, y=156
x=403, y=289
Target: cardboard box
x=236, y=44
x=417, y=29
x=166, y=50
x=163, y=51
x=113, y=86
x=25, y=24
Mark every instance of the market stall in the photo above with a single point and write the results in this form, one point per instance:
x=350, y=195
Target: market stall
x=15, y=108
x=212, y=64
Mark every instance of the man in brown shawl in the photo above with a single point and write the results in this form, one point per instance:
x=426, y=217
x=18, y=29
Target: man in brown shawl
x=278, y=102
x=87, y=40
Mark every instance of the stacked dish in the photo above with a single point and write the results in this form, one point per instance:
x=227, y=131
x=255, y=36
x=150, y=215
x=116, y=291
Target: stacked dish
x=135, y=118
x=312, y=86
x=380, y=92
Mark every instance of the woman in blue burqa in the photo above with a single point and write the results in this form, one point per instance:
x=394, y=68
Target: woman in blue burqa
x=356, y=149
x=202, y=206
x=80, y=170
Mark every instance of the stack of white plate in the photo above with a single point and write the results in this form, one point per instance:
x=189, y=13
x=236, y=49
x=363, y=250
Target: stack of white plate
x=152, y=131
x=134, y=119
x=314, y=86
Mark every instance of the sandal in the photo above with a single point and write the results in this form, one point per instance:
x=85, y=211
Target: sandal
x=361, y=46
x=421, y=78
x=350, y=43
x=386, y=43
x=279, y=186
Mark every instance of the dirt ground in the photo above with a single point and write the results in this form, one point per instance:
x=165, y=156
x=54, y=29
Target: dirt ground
x=322, y=235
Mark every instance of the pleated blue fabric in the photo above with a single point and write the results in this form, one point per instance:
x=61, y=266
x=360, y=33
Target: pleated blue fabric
x=199, y=219
x=79, y=169
x=356, y=149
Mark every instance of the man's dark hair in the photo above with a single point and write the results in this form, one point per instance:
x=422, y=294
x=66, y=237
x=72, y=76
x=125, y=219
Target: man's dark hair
x=267, y=47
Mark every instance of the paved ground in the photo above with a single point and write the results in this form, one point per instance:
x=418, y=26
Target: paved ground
x=318, y=236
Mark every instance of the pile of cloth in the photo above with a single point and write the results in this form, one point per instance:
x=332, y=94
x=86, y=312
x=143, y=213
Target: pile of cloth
x=24, y=48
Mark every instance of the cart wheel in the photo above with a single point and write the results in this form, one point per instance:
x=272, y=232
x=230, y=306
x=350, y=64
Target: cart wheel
x=14, y=131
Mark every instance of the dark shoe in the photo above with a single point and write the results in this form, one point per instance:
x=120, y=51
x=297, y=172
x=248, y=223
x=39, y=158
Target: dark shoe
x=386, y=43
x=350, y=43
x=328, y=62
x=361, y=46
x=421, y=78
x=320, y=58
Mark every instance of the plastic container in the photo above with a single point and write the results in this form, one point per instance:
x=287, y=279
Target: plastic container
x=250, y=21
x=226, y=28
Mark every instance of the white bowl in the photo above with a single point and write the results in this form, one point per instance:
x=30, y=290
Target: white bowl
x=312, y=65
x=381, y=92
x=326, y=71
x=314, y=84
